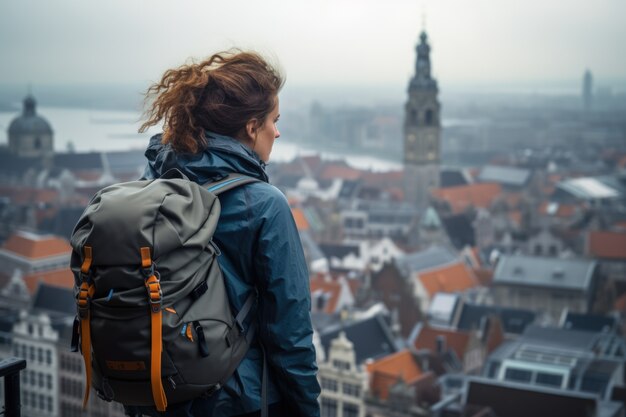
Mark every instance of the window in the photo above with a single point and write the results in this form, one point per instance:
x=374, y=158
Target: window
x=49, y=357
x=329, y=384
x=40, y=377
x=49, y=381
x=49, y=400
x=352, y=390
x=552, y=380
x=40, y=355
x=31, y=353
x=350, y=410
x=329, y=407
x=343, y=365
x=429, y=116
x=517, y=375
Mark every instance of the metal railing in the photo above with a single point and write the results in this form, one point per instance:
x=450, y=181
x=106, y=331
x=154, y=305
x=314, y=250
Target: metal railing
x=10, y=370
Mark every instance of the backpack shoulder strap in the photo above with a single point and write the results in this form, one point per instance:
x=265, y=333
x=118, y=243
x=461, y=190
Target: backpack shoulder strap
x=228, y=183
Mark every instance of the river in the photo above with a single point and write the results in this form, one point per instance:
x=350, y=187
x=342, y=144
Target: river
x=105, y=130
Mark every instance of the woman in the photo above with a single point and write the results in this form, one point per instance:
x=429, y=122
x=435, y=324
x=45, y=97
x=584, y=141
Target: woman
x=219, y=118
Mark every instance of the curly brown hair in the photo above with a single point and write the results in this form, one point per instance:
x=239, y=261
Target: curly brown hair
x=220, y=94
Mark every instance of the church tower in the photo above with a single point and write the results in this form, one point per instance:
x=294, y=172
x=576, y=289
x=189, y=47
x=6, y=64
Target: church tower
x=422, y=131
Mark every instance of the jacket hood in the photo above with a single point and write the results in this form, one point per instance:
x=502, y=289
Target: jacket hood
x=224, y=155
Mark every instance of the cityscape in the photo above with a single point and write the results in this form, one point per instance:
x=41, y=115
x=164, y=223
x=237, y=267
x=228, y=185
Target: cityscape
x=467, y=258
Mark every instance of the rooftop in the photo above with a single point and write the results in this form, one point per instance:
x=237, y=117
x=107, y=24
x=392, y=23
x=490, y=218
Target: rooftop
x=35, y=246
x=473, y=195
x=571, y=274
x=387, y=371
x=607, y=245
x=450, y=278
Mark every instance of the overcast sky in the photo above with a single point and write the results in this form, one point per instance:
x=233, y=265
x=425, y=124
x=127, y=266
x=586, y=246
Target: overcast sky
x=318, y=42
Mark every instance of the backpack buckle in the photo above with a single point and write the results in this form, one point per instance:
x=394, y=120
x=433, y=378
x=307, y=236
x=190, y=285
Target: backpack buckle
x=83, y=300
x=155, y=294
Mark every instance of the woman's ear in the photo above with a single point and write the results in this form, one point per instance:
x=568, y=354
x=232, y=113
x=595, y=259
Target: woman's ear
x=251, y=129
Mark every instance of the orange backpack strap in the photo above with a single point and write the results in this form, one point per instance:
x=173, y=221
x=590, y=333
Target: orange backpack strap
x=85, y=293
x=155, y=297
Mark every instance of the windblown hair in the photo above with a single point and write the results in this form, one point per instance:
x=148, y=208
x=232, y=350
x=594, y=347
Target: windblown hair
x=220, y=94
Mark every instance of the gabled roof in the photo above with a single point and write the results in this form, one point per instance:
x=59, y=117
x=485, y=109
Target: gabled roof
x=473, y=195
x=607, y=245
x=372, y=337
x=450, y=278
x=509, y=176
x=533, y=271
x=34, y=246
x=387, y=371
x=426, y=338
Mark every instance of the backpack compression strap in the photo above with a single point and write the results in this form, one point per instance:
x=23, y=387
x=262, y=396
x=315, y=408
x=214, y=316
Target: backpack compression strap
x=155, y=296
x=228, y=183
x=84, y=299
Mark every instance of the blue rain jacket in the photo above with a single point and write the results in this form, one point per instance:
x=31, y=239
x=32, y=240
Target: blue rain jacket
x=260, y=248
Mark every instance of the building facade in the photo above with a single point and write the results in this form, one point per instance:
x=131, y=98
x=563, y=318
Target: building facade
x=343, y=383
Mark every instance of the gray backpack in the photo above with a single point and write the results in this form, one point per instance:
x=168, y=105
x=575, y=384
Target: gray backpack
x=154, y=323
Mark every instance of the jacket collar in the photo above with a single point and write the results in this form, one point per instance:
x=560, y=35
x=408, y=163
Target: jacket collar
x=224, y=155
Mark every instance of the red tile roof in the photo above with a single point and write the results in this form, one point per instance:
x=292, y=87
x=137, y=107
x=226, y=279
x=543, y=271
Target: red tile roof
x=34, y=246
x=475, y=195
x=449, y=278
x=301, y=222
x=455, y=340
x=607, y=245
x=563, y=210
x=313, y=161
x=385, y=372
x=20, y=195
x=339, y=171
x=326, y=286
x=59, y=278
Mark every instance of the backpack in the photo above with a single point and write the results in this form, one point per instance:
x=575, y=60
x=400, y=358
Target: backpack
x=153, y=320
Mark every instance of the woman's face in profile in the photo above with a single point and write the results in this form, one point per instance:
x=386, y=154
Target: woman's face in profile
x=266, y=134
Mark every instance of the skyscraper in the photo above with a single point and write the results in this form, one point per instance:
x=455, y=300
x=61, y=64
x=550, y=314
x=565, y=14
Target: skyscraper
x=422, y=130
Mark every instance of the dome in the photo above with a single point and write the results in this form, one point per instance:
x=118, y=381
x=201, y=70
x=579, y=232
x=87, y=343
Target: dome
x=29, y=123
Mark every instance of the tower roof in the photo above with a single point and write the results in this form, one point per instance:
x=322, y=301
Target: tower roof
x=29, y=122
